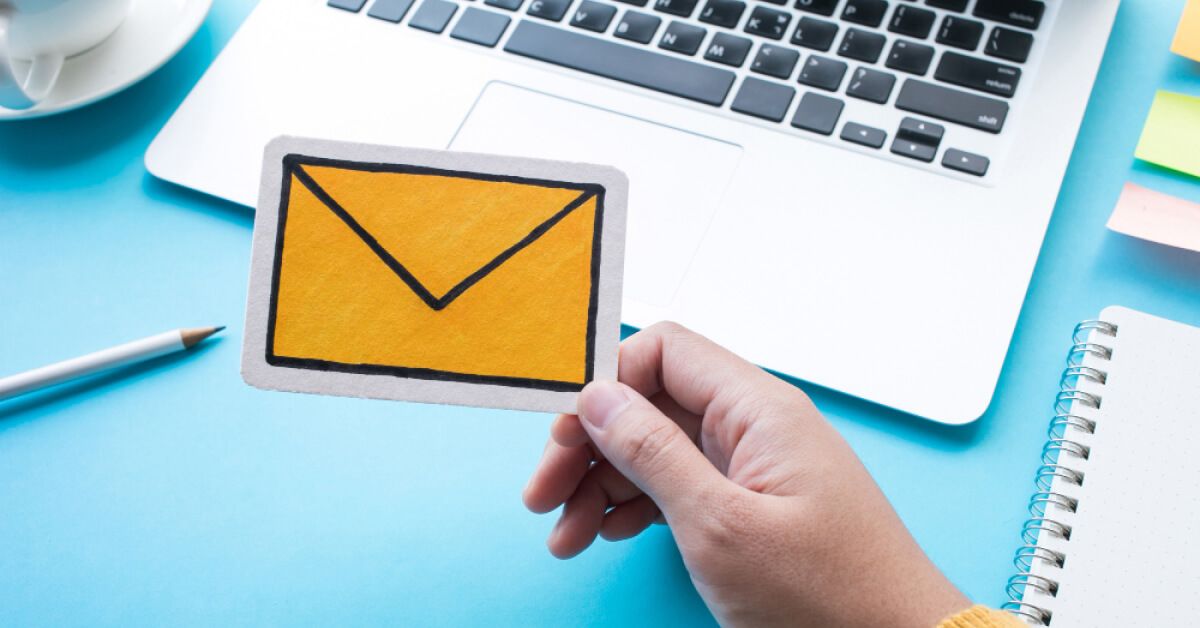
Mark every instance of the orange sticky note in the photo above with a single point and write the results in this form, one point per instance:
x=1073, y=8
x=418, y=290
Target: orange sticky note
x=1149, y=215
x=434, y=276
x=1187, y=35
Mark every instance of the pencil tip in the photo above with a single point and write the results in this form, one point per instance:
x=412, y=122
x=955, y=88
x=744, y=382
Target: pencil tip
x=191, y=337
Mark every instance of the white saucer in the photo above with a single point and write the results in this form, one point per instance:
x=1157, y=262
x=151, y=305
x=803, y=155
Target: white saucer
x=151, y=34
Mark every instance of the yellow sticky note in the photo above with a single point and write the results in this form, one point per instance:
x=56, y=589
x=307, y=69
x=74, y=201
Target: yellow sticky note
x=434, y=276
x=1171, y=136
x=1187, y=35
x=1157, y=217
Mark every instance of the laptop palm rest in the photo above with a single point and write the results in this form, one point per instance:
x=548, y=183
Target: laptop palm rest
x=676, y=178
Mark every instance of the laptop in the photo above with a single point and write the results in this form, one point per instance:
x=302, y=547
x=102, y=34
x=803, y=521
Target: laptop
x=850, y=192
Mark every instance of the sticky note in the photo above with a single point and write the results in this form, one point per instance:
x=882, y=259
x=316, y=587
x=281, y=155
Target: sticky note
x=434, y=276
x=1187, y=34
x=1171, y=135
x=1157, y=217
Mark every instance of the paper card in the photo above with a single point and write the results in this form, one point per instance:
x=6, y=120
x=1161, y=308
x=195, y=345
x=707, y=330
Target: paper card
x=1171, y=135
x=1187, y=34
x=434, y=276
x=1157, y=217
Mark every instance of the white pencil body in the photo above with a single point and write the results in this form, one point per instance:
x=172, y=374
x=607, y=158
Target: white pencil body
x=136, y=351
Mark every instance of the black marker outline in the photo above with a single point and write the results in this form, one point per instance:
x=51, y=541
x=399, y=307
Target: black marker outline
x=292, y=165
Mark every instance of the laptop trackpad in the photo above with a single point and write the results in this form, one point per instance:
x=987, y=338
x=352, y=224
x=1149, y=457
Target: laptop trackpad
x=676, y=178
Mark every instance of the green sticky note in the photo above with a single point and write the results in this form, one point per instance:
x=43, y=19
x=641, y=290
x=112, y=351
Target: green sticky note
x=1171, y=137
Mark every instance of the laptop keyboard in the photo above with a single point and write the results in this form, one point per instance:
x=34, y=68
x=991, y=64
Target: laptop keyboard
x=805, y=60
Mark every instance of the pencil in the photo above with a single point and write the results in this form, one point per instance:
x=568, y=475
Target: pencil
x=120, y=355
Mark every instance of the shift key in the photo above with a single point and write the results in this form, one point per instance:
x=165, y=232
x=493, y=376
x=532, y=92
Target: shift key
x=977, y=112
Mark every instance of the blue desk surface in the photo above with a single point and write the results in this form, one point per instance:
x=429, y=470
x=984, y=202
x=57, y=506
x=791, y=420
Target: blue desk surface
x=174, y=493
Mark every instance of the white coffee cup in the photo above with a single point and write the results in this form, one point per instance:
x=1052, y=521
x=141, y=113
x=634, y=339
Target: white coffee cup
x=43, y=33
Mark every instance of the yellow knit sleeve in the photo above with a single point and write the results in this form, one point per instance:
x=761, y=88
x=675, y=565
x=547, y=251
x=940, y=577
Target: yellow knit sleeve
x=980, y=616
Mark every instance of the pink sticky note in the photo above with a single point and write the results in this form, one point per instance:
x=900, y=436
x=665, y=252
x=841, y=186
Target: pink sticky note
x=1149, y=215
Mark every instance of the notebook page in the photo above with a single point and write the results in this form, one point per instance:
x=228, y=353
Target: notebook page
x=1133, y=557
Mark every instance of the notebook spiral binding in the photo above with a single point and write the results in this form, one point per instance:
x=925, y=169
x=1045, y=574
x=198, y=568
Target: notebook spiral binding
x=1056, y=456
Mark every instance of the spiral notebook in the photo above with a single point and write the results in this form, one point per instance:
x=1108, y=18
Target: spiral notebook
x=1114, y=533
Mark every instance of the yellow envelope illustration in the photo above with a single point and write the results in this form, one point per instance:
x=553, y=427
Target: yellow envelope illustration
x=436, y=274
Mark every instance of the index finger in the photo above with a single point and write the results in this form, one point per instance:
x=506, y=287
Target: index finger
x=691, y=369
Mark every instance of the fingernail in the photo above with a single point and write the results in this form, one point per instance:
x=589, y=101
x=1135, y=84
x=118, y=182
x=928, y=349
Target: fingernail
x=601, y=401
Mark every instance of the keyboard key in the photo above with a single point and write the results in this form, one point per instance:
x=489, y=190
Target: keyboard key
x=552, y=10
x=728, y=49
x=763, y=99
x=354, y=6
x=1023, y=13
x=979, y=74
x=1009, y=44
x=637, y=3
x=820, y=7
x=960, y=32
x=775, y=61
x=871, y=85
x=863, y=135
x=866, y=12
x=433, y=15
x=952, y=105
x=390, y=10
x=722, y=12
x=912, y=21
x=637, y=27
x=480, y=27
x=953, y=5
x=817, y=113
x=682, y=8
x=593, y=16
x=822, y=72
x=511, y=5
x=963, y=161
x=913, y=150
x=700, y=82
x=862, y=45
x=768, y=22
x=814, y=33
x=681, y=37
x=921, y=132
x=907, y=56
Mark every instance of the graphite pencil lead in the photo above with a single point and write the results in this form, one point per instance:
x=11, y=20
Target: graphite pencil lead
x=193, y=336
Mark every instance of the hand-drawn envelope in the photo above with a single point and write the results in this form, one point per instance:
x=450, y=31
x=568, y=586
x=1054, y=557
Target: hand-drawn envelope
x=434, y=276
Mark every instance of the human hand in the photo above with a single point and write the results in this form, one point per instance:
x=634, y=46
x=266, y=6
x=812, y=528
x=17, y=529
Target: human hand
x=777, y=520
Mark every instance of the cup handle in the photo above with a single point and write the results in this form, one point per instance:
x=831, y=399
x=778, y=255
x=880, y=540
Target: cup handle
x=43, y=73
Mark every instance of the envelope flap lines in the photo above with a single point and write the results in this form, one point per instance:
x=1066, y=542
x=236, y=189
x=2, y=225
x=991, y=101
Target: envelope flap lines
x=439, y=231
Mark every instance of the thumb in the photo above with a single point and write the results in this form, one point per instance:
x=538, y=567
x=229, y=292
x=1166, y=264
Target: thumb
x=648, y=447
